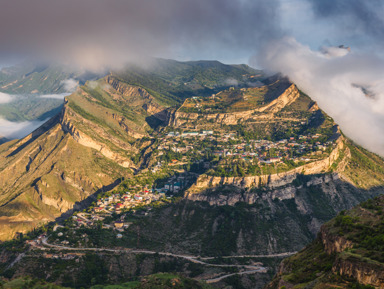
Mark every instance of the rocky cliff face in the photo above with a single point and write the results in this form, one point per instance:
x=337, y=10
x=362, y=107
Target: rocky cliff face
x=364, y=273
x=83, y=139
x=245, y=194
x=132, y=94
x=261, y=113
x=273, y=182
x=334, y=243
x=346, y=251
x=369, y=273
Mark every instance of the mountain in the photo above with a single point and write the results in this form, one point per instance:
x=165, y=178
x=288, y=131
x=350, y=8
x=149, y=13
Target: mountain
x=170, y=81
x=242, y=168
x=348, y=253
x=88, y=148
x=32, y=78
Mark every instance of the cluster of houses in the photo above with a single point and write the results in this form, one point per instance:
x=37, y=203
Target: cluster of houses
x=176, y=183
x=227, y=145
x=117, y=202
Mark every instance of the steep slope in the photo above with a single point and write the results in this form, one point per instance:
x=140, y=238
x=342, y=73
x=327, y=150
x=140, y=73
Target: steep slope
x=173, y=81
x=252, y=169
x=86, y=149
x=27, y=82
x=348, y=251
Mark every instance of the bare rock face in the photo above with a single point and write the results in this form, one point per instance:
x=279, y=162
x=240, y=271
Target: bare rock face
x=134, y=95
x=271, y=182
x=364, y=273
x=261, y=113
x=333, y=243
x=83, y=139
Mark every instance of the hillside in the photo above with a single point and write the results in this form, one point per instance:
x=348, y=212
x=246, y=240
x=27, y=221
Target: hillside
x=87, y=148
x=348, y=253
x=30, y=78
x=191, y=165
x=27, y=82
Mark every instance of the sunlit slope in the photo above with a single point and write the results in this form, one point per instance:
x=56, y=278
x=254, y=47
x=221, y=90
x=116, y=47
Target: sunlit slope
x=87, y=147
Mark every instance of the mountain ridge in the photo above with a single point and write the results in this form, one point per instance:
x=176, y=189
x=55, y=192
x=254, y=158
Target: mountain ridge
x=247, y=169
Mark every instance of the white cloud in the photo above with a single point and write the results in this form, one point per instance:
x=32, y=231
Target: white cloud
x=338, y=82
x=231, y=81
x=5, y=98
x=15, y=130
x=70, y=84
x=55, y=96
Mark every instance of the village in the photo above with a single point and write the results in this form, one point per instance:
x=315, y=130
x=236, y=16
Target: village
x=183, y=149
x=184, y=156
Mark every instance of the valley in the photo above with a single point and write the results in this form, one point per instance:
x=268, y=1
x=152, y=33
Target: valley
x=173, y=170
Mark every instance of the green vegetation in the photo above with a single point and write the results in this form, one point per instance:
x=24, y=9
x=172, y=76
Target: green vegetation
x=28, y=283
x=159, y=281
x=27, y=78
x=314, y=267
x=170, y=82
x=365, y=169
x=30, y=108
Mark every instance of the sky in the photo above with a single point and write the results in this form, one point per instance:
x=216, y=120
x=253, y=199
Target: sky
x=298, y=38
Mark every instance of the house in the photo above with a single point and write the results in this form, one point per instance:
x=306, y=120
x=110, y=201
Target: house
x=118, y=206
x=207, y=132
x=176, y=187
x=119, y=224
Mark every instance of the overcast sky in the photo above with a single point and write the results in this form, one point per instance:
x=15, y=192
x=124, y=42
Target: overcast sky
x=93, y=33
x=295, y=37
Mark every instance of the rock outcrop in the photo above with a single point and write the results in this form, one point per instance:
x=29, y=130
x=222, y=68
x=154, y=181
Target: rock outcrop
x=83, y=139
x=261, y=113
x=271, y=182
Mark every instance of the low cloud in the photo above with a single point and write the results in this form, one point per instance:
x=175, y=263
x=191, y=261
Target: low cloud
x=55, y=96
x=16, y=130
x=231, y=81
x=70, y=84
x=5, y=98
x=348, y=86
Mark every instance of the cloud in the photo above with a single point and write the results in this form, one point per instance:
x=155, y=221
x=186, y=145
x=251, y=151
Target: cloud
x=5, y=98
x=70, y=84
x=98, y=33
x=16, y=130
x=348, y=86
x=231, y=81
x=55, y=96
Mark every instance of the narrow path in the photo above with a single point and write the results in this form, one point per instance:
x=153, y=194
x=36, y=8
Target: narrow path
x=285, y=254
x=217, y=279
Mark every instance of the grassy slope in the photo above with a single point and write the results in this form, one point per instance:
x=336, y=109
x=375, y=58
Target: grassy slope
x=47, y=177
x=313, y=267
x=171, y=81
x=28, y=78
x=30, y=108
x=364, y=169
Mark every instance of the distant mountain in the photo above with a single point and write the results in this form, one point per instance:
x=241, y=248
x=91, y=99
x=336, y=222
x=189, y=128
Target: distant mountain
x=31, y=78
x=170, y=81
x=348, y=253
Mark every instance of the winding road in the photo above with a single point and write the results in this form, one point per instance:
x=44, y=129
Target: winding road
x=247, y=269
